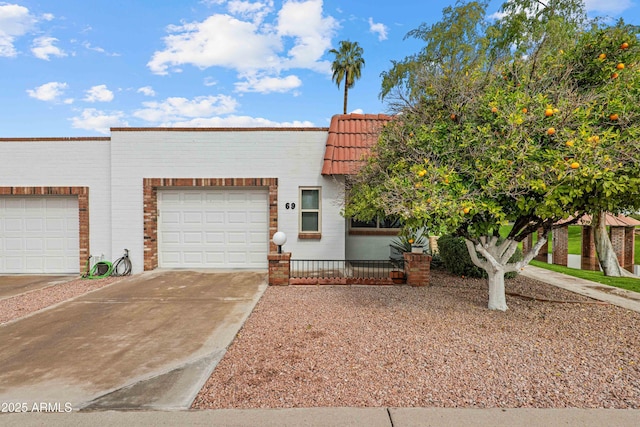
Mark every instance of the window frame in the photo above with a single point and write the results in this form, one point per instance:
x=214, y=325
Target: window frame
x=309, y=234
x=371, y=231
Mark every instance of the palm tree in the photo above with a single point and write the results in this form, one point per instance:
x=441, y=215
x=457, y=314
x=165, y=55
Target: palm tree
x=346, y=66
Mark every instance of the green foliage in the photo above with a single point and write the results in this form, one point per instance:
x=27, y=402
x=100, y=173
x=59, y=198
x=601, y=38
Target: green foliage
x=406, y=240
x=456, y=260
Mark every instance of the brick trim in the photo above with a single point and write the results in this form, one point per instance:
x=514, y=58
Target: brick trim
x=150, y=188
x=83, y=210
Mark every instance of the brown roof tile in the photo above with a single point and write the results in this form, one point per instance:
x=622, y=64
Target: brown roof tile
x=350, y=138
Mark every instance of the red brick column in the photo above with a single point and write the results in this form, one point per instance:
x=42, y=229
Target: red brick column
x=279, y=267
x=560, y=247
x=588, y=257
x=417, y=268
x=616, y=234
x=629, y=248
x=527, y=244
x=544, y=250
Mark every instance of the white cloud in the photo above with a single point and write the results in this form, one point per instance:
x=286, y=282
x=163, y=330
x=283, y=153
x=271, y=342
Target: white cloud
x=244, y=41
x=266, y=85
x=99, y=121
x=255, y=11
x=220, y=40
x=99, y=93
x=147, y=91
x=88, y=46
x=43, y=48
x=15, y=21
x=51, y=91
x=238, y=122
x=357, y=111
x=609, y=7
x=379, y=29
x=312, y=33
x=179, y=109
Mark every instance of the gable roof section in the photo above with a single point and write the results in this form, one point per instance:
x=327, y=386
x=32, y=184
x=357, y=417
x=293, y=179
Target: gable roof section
x=350, y=139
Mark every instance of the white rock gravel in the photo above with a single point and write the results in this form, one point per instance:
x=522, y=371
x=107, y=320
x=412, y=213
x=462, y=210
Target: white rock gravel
x=398, y=346
x=29, y=302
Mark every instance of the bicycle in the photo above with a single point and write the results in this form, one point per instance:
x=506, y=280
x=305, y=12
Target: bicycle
x=99, y=270
x=122, y=266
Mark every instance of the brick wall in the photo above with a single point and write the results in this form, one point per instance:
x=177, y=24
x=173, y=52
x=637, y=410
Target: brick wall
x=629, y=248
x=588, y=257
x=560, y=247
x=279, y=268
x=417, y=268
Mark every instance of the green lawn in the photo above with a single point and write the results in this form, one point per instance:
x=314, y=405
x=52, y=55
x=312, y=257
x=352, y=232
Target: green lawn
x=595, y=276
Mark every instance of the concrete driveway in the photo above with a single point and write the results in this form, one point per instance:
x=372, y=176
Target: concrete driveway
x=148, y=341
x=13, y=285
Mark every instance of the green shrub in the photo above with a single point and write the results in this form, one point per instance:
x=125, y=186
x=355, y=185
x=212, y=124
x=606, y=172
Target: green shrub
x=456, y=259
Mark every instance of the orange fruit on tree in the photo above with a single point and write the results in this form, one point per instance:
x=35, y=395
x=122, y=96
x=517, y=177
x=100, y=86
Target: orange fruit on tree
x=575, y=165
x=602, y=56
x=524, y=110
x=624, y=45
x=613, y=117
x=614, y=75
x=453, y=116
x=410, y=241
x=422, y=172
x=569, y=143
x=551, y=131
x=494, y=110
x=466, y=210
x=548, y=112
x=620, y=66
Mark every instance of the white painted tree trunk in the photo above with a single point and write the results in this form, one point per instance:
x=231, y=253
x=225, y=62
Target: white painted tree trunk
x=496, y=264
x=497, y=296
x=604, y=248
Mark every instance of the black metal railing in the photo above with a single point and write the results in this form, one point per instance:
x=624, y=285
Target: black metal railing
x=327, y=269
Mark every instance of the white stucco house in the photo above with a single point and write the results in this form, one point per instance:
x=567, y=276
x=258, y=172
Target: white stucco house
x=184, y=197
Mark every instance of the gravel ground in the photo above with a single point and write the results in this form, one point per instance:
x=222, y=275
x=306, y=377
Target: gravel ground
x=24, y=304
x=397, y=346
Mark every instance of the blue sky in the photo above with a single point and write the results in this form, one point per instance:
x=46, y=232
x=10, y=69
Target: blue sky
x=77, y=68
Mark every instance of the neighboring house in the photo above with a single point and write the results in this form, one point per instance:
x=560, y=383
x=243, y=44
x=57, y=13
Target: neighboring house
x=184, y=197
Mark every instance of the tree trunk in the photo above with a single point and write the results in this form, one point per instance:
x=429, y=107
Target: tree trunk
x=346, y=90
x=604, y=248
x=497, y=298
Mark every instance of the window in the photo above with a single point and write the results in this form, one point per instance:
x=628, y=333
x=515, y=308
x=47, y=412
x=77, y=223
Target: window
x=382, y=226
x=310, y=212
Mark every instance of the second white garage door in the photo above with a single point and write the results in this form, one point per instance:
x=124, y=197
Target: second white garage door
x=213, y=228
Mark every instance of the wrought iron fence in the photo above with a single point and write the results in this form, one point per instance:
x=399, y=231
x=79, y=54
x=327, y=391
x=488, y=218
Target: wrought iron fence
x=358, y=269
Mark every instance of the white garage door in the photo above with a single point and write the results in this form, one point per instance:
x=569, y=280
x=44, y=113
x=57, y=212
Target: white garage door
x=213, y=228
x=39, y=234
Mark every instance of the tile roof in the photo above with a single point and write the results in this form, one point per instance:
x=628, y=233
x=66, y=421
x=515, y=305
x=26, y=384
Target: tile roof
x=350, y=139
x=612, y=220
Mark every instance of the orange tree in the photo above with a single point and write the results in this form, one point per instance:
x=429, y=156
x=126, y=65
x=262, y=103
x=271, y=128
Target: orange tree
x=524, y=140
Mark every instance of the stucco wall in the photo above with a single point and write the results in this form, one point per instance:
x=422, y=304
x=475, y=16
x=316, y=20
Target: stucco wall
x=65, y=162
x=294, y=157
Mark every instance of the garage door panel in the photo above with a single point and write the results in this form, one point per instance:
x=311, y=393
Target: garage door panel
x=231, y=226
x=214, y=237
x=170, y=217
x=34, y=224
x=214, y=217
x=39, y=234
x=13, y=225
x=191, y=217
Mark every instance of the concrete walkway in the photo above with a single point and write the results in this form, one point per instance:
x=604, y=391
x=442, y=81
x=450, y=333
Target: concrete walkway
x=328, y=417
x=620, y=297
